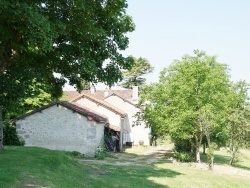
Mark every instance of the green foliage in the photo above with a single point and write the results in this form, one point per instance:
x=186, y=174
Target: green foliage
x=22, y=93
x=10, y=135
x=76, y=154
x=183, y=150
x=141, y=143
x=101, y=151
x=210, y=154
x=189, y=100
x=183, y=156
x=182, y=145
x=238, y=122
x=72, y=38
x=18, y=96
x=134, y=76
x=86, y=85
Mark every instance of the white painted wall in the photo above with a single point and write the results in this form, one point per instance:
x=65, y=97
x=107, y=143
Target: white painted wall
x=135, y=133
x=59, y=128
x=113, y=118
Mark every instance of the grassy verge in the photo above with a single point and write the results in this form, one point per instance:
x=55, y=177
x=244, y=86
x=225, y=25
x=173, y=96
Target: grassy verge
x=26, y=166
x=223, y=157
x=37, y=167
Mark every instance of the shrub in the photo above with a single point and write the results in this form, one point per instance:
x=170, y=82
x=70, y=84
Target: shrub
x=182, y=145
x=210, y=155
x=76, y=154
x=183, y=156
x=141, y=143
x=10, y=136
x=101, y=152
x=100, y=155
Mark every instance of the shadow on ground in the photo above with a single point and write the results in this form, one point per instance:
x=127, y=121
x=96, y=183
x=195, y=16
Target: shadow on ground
x=241, y=166
x=136, y=169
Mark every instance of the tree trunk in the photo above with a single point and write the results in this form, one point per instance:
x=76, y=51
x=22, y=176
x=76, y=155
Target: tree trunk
x=197, y=156
x=1, y=129
x=232, y=158
x=6, y=55
x=197, y=148
x=211, y=148
x=204, y=148
x=211, y=151
x=193, y=146
x=232, y=151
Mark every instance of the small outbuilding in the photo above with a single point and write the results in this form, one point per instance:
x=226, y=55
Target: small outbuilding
x=63, y=126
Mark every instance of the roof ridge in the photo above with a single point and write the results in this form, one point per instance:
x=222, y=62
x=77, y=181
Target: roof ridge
x=81, y=110
x=101, y=102
x=90, y=110
x=123, y=100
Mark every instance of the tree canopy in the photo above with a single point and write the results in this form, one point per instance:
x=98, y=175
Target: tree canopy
x=190, y=99
x=72, y=38
x=134, y=76
x=238, y=120
x=80, y=39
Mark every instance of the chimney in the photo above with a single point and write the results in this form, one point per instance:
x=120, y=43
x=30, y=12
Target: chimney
x=92, y=89
x=106, y=92
x=135, y=94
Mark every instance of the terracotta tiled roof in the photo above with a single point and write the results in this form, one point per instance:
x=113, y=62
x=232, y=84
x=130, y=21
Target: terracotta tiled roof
x=74, y=107
x=113, y=127
x=98, y=94
x=114, y=94
x=102, y=103
x=68, y=95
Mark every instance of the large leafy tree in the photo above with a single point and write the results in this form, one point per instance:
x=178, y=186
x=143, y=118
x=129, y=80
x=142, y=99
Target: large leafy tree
x=73, y=38
x=134, y=76
x=20, y=101
x=238, y=121
x=22, y=92
x=190, y=99
x=80, y=39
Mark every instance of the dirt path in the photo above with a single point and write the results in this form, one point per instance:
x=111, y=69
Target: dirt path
x=133, y=156
x=140, y=156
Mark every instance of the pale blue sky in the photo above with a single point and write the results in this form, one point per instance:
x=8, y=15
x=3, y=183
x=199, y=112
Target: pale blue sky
x=168, y=29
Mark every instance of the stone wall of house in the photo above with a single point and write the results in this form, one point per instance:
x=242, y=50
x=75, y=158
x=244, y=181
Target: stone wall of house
x=59, y=128
x=138, y=133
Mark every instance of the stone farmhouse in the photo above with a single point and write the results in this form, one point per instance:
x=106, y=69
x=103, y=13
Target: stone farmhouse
x=121, y=102
x=62, y=126
x=85, y=121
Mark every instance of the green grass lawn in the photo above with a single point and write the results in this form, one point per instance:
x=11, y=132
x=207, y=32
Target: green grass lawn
x=37, y=167
x=223, y=157
x=243, y=160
